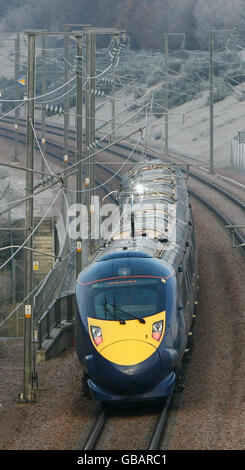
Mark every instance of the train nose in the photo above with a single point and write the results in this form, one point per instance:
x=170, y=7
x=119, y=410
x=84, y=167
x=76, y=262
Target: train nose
x=127, y=367
x=128, y=352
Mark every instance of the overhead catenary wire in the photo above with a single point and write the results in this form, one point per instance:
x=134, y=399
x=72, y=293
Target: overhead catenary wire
x=58, y=97
x=40, y=96
x=68, y=92
x=33, y=231
x=100, y=74
x=109, y=179
x=20, y=304
x=75, y=165
x=63, y=85
x=17, y=201
x=47, y=187
x=40, y=149
x=11, y=110
x=119, y=124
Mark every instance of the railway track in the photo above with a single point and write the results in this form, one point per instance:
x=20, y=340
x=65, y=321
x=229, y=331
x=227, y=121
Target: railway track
x=224, y=217
x=233, y=206
x=238, y=234
x=154, y=440
x=55, y=151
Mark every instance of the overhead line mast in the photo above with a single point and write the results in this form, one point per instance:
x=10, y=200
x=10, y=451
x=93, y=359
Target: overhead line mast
x=166, y=36
x=28, y=394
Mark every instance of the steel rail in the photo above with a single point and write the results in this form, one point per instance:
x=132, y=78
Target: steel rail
x=220, y=216
x=107, y=169
x=127, y=147
x=60, y=147
x=155, y=439
x=220, y=190
x=96, y=431
x=160, y=426
x=58, y=157
x=202, y=180
x=161, y=422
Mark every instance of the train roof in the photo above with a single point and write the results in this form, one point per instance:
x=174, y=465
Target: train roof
x=156, y=197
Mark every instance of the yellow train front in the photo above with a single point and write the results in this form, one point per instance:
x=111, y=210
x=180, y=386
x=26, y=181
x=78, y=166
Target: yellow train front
x=128, y=335
x=136, y=298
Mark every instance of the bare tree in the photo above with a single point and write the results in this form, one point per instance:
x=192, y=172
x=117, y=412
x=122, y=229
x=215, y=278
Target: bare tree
x=144, y=20
x=221, y=14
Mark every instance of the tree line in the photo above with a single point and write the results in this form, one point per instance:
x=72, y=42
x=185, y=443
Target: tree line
x=144, y=20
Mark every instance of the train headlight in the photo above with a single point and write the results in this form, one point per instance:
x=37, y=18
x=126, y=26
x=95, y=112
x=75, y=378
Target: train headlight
x=97, y=335
x=157, y=330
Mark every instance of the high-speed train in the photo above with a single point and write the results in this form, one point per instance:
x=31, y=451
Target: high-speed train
x=136, y=298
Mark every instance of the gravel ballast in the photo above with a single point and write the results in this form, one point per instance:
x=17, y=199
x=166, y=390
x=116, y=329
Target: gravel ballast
x=212, y=413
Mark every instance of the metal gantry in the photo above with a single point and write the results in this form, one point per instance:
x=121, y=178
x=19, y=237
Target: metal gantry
x=82, y=171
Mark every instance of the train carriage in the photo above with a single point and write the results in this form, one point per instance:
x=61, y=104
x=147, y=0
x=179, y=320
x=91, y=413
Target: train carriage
x=136, y=298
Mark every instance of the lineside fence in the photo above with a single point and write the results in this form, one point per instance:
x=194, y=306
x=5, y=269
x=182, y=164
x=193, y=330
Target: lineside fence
x=238, y=152
x=51, y=285
x=49, y=288
x=62, y=310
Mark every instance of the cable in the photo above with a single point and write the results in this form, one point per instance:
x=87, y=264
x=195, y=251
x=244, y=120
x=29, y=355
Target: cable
x=41, y=96
x=46, y=163
x=18, y=200
x=111, y=178
x=64, y=94
x=72, y=46
x=6, y=114
x=54, y=91
x=34, y=230
x=121, y=112
x=100, y=74
x=18, y=306
x=203, y=52
x=13, y=202
x=125, y=122
x=59, y=97
x=74, y=165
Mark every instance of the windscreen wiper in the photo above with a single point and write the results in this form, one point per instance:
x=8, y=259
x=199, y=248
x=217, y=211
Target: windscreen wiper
x=122, y=322
x=107, y=310
x=141, y=320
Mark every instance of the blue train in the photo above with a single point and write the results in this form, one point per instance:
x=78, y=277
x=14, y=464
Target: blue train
x=136, y=299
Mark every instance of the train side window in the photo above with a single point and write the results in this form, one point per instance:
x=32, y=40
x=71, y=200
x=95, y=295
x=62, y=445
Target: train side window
x=184, y=291
x=191, y=261
x=189, y=267
x=188, y=278
x=193, y=239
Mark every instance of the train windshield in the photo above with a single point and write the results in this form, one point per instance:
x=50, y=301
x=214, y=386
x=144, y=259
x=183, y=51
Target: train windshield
x=124, y=299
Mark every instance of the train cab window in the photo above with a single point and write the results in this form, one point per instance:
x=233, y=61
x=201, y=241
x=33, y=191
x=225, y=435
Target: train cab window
x=125, y=299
